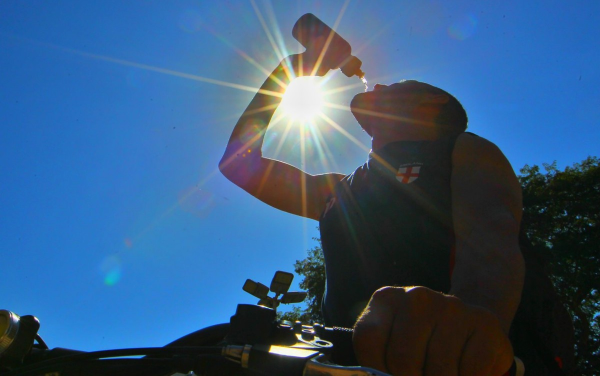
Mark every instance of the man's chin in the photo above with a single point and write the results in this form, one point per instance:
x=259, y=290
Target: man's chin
x=360, y=99
x=361, y=108
x=361, y=104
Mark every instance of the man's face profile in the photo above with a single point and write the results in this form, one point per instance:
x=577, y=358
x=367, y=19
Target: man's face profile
x=392, y=104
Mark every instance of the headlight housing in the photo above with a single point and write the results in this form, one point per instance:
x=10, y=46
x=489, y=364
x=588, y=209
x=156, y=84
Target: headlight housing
x=9, y=328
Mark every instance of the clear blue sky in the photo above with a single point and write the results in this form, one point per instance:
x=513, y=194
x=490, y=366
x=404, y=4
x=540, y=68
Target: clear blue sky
x=116, y=228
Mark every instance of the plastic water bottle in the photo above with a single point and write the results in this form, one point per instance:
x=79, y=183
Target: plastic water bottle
x=338, y=52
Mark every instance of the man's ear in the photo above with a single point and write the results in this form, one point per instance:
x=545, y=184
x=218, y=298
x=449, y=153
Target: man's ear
x=437, y=98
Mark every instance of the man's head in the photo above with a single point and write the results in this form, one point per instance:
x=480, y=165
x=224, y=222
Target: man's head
x=409, y=103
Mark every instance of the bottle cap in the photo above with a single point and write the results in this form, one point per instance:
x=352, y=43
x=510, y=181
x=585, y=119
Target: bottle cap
x=351, y=67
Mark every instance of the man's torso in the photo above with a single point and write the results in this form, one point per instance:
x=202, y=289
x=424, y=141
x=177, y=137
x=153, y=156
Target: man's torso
x=388, y=223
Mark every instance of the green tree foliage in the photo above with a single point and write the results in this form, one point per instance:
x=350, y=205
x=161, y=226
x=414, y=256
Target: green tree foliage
x=561, y=218
x=313, y=270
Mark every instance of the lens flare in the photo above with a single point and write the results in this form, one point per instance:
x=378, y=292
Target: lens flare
x=464, y=27
x=253, y=132
x=197, y=201
x=111, y=269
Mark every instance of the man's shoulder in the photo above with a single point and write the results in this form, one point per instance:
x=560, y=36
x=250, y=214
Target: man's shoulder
x=470, y=137
x=470, y=146
x=477, y=161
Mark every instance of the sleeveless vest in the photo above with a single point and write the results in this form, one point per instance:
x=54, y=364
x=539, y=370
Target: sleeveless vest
x=389, y=223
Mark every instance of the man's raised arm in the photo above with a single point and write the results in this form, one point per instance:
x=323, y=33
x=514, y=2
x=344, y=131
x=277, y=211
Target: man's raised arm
x=487, y=206
x=276, y=183
x=418, y=331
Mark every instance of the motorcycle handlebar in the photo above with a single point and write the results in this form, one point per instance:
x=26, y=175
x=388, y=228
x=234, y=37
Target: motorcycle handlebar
x=253, y=343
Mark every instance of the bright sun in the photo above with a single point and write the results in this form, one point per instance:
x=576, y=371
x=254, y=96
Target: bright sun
x=303, y=99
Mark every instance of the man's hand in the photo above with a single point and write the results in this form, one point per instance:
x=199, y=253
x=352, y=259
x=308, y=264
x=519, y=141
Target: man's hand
x=310, y=62
x=276, y=183
x=417, y=331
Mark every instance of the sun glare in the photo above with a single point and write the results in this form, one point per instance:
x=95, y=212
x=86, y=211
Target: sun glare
x=303, y=99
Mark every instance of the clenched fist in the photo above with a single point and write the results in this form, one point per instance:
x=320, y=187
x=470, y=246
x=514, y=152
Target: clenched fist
x=419, y=332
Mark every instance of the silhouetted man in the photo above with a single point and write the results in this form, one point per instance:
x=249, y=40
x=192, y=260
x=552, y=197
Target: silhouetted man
x=433, y=208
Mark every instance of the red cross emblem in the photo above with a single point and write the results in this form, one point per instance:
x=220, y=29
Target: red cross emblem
x=408, y=174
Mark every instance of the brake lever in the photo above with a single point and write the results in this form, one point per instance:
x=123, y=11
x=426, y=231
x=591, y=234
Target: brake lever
x=320, y=366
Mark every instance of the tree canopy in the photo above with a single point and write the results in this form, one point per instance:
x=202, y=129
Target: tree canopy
x=313, y=270
x=561, y=216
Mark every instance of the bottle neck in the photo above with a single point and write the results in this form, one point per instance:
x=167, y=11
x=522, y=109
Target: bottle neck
x=351, y=67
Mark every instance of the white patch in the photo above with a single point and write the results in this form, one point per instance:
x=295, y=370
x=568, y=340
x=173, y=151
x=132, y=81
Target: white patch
x=408, y=173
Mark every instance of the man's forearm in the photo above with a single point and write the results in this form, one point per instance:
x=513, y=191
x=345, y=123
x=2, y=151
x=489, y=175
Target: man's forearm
x=248, y=134
x=489, y=272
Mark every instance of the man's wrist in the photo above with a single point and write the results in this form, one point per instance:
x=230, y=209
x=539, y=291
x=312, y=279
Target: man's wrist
x=478, y=301
x=280, y=78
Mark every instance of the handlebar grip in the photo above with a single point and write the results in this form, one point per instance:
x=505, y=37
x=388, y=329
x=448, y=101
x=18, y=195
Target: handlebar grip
x=343, y=351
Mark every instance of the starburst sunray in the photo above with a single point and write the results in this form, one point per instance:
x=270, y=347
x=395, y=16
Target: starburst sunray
x=276, y=49
x=277, y=150
x=164, y=70
x=303, y=190
x=380, y=115
x=344, y=132
x=325, y=154
x=276, y=29
x=329, y=38
x=266, y=30
x=352, y=86
x=244, y=55
x=248, y=143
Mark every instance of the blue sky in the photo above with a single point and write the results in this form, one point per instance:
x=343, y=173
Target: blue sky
x=116, y=228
